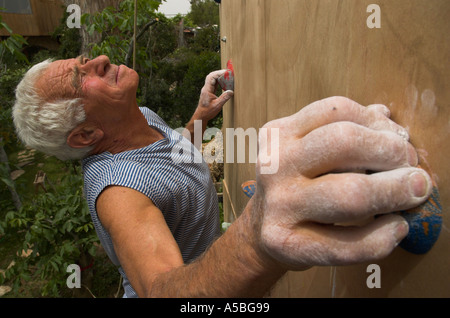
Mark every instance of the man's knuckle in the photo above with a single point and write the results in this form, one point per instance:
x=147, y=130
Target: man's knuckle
x=345, y=134
x=352, y=196
x=341, y=102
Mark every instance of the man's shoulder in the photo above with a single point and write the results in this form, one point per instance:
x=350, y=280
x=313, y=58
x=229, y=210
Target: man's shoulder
x=97, y=167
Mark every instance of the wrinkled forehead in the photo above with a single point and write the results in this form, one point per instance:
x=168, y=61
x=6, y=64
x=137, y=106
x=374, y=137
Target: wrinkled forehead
x=56, y=82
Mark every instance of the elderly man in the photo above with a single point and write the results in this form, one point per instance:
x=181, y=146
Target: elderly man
x=158, y=218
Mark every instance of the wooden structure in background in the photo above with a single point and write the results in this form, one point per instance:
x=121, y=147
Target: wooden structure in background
x=45, y=18
x=289, y=53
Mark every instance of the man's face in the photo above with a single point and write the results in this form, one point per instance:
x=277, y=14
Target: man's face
x=105, y=89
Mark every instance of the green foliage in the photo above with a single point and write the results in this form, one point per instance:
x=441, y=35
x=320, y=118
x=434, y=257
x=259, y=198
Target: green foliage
x=69, y=39
x=116, y=27
x=57, y=228
x=206, y=39
x=12, y=64
x=198, y=65
x=173, y=93
x=11, y=48
x=8, y=82
x=204, y=12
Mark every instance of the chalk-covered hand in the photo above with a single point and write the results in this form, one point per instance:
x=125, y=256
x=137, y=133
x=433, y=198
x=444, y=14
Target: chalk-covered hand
x=209, y=104
x=320, y=185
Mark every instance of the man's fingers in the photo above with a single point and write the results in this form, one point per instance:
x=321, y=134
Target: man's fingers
x=346, y=197
x=222, y=99
x=347, y=245
x=346, y=146
x=211, y=80
x=380, y=108
x=337, y=109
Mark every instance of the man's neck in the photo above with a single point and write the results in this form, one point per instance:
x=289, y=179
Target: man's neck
x=132, y=133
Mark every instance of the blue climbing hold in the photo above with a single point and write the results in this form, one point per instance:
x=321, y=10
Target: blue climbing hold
x=425, y=224
x=249, y=188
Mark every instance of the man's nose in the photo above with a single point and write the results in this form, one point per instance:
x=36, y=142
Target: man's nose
x=100, y=64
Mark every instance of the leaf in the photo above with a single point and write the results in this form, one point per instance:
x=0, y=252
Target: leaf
x=4, y=25
x=57, y=260
x=54, y=265
x=19, y=39
x=91, y=29
x=85, y=18
x=68, y=226
x=28, y=236
x=25, y=276
x=20, y=56
x=111, y=19
x=124, y=24
x=8, y=182
x=60, y=214
x=39, y=216
x=36, y=229
x=48, y=234
x=92, y=250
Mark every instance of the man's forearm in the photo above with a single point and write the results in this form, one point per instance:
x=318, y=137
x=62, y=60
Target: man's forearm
x=231, y=267
x=194, y=129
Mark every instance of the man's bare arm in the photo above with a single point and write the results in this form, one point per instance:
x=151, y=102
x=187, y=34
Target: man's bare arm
x=152, y=261
x=233, y=266
x=291, y=223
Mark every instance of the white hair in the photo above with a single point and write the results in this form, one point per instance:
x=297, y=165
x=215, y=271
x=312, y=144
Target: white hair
x=44, y=125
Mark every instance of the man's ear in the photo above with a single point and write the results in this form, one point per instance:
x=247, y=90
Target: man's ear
x=84, y=136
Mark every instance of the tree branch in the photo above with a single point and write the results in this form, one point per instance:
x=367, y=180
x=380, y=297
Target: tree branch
x=139, y=35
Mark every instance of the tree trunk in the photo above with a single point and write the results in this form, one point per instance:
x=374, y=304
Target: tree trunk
x=86, y=262
x=91, y=7
x=181, y=41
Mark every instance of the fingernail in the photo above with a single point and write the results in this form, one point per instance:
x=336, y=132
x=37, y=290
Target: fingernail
x=400, y=231
x=418, y=184
x=230, y=94
x=413, y=159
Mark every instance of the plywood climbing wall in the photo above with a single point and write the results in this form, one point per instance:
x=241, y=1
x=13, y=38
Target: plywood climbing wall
x=289, y=53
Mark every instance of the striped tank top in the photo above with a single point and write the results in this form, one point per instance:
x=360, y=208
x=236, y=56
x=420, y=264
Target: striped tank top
x=170, y=173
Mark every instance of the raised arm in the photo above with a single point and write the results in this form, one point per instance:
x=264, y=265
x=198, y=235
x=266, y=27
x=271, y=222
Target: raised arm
x=209, y=106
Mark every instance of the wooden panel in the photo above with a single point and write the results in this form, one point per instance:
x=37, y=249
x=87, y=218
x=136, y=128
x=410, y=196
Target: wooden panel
x=316, y=49
x=245, y=38
x=46, y=17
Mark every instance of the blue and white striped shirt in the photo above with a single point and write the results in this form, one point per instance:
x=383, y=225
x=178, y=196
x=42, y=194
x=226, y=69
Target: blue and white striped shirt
x=167, y=173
